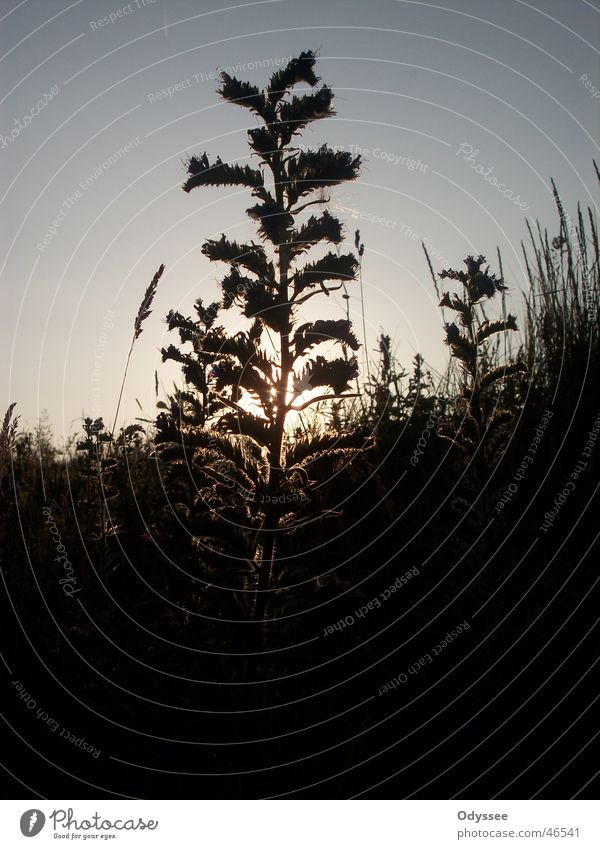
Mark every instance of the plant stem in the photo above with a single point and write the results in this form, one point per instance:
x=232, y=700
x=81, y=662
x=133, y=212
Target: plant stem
x=275, y=470
x=123, y=385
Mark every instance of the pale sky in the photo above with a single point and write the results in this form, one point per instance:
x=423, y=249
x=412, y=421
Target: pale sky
x=92, y=163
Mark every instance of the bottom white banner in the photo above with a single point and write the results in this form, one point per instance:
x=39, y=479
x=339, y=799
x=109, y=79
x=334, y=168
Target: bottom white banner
x=297, y=824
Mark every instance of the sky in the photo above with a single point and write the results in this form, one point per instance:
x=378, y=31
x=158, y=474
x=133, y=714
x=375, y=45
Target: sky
x=461, y=110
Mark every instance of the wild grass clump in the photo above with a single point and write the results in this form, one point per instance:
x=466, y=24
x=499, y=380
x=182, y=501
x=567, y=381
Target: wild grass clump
x=8, y=438
x=8, y=441
x=563, y=302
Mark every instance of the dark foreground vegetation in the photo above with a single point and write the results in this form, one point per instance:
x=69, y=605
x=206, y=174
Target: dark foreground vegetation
x=394, y=597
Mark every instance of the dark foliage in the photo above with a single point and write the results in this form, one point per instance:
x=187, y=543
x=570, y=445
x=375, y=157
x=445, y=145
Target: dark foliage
x=132, y=561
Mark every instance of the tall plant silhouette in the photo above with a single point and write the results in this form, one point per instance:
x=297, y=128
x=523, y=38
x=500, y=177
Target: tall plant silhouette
x=482, y=436
x=247, y=385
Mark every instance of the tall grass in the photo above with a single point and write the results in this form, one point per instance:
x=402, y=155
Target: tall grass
x=8, y=434
x=142, y=314
x=8, y=440
x=563, y=313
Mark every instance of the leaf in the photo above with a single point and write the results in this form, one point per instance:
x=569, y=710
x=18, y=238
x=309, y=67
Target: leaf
x=206, y=315
x=489, y=328
x=243, y=423
x=296, y=113
x=235, y=285
x=329, y=267
x=262, y=141
x=243, y=94
x=273, y=219
x=202, y=173
x=501, y=372
x=462, y=348
x=318, y=169
x=336, y=374
x=298, y=70
x=324, y=228
x=261, y=304
x=319, y=331
x=131, y=429
x=194, y=373
x=249, y=256
x=188, y=329
x=453, y=303
x=226, y=373
x=173, y=353
x=311, y=444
